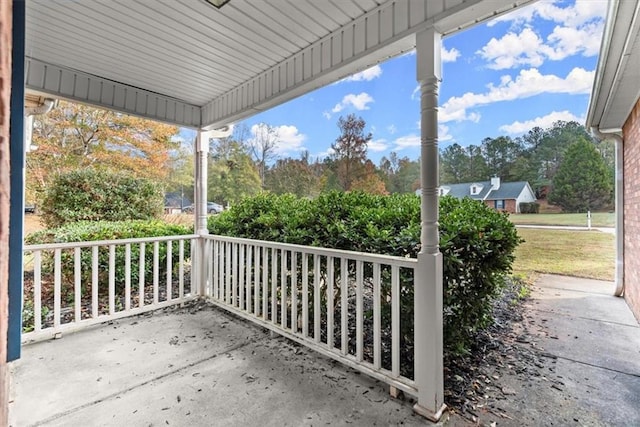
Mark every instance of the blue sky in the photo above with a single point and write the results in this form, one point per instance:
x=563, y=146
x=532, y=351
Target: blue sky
x=529, y=68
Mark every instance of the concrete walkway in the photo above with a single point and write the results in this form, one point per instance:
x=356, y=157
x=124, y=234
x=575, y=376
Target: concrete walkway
x=588, y=368
x=609, y=230
x=202, y=367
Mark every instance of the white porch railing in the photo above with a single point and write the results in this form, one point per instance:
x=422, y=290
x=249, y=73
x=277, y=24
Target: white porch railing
x=69, y=286
x=354, y=307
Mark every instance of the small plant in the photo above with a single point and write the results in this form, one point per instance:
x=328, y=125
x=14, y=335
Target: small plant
x=28, y=316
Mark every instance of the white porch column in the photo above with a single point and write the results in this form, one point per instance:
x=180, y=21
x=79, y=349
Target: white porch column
x=428, y=284
x=199, y=271
x=200, y=203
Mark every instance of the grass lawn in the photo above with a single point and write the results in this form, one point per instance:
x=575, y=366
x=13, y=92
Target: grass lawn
x=598, y=219
x=589, y=254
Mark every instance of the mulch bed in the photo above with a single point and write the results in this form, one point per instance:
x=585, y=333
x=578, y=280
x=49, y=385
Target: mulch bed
x=477, y=385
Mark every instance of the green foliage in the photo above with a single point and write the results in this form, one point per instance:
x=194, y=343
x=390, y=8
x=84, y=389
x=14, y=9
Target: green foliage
x=529, y=207
x=87, y=231
x=478, y=247
x=232, y=175
x=583, y=180
x=477, y=243
x=95, y=195
x=296, y=176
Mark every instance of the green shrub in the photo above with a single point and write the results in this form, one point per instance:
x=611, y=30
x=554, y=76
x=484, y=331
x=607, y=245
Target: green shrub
x=477, y=243
x=104, y=230
x=531, y=207
x=94, y=195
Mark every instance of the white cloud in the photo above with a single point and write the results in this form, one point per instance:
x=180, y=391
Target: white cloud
x=366, y=75
x=450, y=55
x=392, y=129
x=528, y=83
x=443, y=133
x=407, y=141
x=527, y=48
x=326, y=115
x=541, y=122
x=579, y=31
x=514, y=50
x=359, y=102
x=377, y=145
x=321, y=155
x=288, y=138
x=575, y=15
x=416, y=93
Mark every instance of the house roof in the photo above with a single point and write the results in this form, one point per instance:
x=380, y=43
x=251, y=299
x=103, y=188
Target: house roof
x=616, y=86
x=187, y=63
x=507, y=190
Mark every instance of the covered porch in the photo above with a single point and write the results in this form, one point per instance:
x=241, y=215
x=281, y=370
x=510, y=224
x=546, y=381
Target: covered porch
x=234, y=61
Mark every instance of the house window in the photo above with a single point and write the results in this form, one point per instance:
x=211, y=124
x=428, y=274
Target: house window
x=499, y=204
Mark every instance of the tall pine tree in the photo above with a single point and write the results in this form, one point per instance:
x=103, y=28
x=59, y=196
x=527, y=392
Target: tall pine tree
x=582, y=181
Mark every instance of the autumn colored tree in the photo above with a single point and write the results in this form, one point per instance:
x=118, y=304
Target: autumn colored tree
x=75, y=136
x=369, y=181
x=350, y=150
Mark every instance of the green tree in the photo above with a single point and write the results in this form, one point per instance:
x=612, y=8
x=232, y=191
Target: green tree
x=295, y=176
x=500, y=153
x=454, y=164
x=582, y=181
x=400, y=174
x=232, y=175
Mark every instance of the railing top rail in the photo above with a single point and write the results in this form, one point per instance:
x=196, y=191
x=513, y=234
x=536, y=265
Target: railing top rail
x=362, y=256
x=70, y=245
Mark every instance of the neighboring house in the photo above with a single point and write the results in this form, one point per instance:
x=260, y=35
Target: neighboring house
x=614, y=113
x=505, y=196
x=174, y=202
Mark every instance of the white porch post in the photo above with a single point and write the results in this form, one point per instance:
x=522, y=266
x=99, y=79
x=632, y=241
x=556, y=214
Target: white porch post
x=428, y=283
x=199, y=272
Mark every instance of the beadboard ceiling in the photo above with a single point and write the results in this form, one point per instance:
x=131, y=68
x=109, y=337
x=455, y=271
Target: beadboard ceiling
x=188, y=63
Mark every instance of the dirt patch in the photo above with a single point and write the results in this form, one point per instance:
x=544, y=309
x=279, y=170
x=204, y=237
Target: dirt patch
x=32, y=224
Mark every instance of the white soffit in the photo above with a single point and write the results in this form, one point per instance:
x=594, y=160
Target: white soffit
x=616, y=86
x=187, y=63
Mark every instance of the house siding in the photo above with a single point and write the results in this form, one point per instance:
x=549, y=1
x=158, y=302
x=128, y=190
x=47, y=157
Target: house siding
x=631, y=260
x=5, y=108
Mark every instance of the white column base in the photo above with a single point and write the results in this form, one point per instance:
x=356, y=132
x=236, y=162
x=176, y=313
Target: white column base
x=431, y=416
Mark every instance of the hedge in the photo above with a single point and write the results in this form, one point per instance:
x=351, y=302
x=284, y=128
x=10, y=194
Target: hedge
x=96, y=195
x=476, y=241
x=87, y=231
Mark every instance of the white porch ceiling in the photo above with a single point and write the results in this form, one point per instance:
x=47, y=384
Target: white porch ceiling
x=617, y=83
x=187, y=63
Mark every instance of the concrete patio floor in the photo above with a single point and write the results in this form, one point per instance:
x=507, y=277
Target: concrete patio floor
x=191, y=367
x=199, y=366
